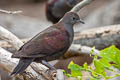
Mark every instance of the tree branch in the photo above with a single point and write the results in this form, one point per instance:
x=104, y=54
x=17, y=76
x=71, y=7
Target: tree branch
x=79, y=49
x=60, y=75
x=99, y=37
x=10, y=38
x=10, y=12
x=81, y=5
x=9, y=63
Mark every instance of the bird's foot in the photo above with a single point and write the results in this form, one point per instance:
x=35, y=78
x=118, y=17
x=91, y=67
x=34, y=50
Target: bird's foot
x=48, y=65
x=51, y=72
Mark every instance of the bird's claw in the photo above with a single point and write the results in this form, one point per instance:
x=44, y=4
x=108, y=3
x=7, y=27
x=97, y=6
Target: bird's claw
x=48, y=65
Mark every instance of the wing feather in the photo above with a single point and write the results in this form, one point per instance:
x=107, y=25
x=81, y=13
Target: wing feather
x=44, y=43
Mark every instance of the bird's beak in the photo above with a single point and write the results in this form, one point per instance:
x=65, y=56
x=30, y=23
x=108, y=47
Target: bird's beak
x=81, y=21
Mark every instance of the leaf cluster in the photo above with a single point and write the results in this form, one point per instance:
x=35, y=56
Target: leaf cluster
x=107, y=60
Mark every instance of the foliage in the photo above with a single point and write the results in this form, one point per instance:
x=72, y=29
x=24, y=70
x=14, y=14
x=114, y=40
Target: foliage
x=107, y=60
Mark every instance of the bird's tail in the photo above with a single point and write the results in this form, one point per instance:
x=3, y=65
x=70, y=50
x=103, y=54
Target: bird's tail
x=22, y=65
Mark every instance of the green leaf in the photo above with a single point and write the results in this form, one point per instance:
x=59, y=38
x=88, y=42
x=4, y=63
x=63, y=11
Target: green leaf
x=85, y=66
x=92, y=51
x=111, y=54
x=79, y=77
x=99, y=68
x=75, y=69
x=93, y=78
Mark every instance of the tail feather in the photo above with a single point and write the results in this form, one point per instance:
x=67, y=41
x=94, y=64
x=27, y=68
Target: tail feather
x=22, y=65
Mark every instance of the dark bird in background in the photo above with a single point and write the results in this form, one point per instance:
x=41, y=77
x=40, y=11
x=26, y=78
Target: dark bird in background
x=55, y=9
x=47, y=45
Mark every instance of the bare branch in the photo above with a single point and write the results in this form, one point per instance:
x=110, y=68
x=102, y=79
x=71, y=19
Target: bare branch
x=9, y=63
x=5, y=59
x=101, y=37
x=9, y=37
x=60, y=75
x=49, y=74
x=10, y=12
x=77, y=48
x=81, y=5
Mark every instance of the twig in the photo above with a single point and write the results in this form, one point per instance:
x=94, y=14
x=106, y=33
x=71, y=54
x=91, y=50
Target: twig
x=10, y=12
x=81, y=5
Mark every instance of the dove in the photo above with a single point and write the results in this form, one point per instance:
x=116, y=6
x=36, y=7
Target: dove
x=48, y=45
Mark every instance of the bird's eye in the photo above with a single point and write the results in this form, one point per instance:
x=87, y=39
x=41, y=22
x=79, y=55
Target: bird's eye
x=73, y=18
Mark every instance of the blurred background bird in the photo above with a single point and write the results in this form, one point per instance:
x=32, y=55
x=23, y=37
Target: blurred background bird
x=55, y=9
x=47, y=45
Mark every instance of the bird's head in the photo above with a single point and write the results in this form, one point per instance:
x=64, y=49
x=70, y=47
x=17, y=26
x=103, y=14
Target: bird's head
x=71, y=3
x=71, y=18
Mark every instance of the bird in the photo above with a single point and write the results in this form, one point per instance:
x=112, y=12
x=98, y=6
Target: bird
x=55, y=9
x=47, y=45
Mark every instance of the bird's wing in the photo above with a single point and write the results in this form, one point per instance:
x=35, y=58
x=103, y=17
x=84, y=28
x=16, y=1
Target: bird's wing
x=43, y=44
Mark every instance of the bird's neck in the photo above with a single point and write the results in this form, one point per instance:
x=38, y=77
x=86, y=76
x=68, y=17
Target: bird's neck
x=69, y=28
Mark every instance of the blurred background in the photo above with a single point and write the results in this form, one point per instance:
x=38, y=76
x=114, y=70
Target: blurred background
x=33, y=20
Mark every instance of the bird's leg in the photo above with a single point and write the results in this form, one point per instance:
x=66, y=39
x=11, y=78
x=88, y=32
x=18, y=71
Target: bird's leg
x=48, y=65
x=51, y=72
